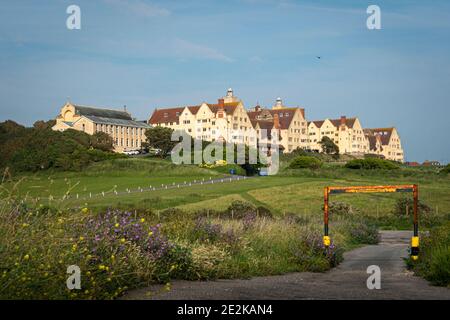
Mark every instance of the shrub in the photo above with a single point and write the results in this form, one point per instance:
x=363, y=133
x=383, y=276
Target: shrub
x=446, y=169
x=371, y=163
x=434, y=258
x=239, y=209
x=305, y=162
x=314, y=256
x=404, y=207
x=340, y=208
x=363, y=233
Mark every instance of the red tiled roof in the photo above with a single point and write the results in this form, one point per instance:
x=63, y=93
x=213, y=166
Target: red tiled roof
x=383, y=133
x=165, y=115
x=285, y=116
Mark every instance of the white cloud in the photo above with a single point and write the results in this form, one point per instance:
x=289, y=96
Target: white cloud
x=140, y=8
x=185, y=49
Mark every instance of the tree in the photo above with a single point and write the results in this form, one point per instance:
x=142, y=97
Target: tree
x=160, y=138
x=101, y=141
x=328, y=146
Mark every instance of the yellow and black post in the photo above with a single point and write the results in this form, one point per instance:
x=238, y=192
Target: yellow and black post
x=326, y=237
x=415, y=238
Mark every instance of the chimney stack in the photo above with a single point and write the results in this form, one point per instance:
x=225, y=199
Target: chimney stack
x=343, y=120
x=276, y=121
x=221, y=111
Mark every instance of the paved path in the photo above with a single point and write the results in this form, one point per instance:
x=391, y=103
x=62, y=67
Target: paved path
x=347, y=281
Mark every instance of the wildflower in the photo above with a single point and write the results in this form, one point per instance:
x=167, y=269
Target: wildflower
x=88, y=273
x=60, y=220
x=116, y=225
x=113, y=257
x=150, y=234
x=85, y=210
x=142, y=220
x=101, y=267
x=86, y=291
x=26, y=257
x=74, y=247
x=81, y=238
x=109, y=279
x=122, y=240
x=25, y=225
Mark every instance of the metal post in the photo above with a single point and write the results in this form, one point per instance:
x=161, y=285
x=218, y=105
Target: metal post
x=415, y=238
x=326, y=238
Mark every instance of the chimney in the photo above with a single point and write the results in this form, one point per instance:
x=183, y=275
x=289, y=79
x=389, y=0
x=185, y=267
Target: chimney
x=258, y=108
x=221, y=111
x=343, y=120
x=125, y=108
x=276, y=121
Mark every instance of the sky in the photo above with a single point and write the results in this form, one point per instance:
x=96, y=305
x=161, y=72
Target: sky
x=148, y=54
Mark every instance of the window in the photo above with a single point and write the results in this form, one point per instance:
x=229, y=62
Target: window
x=166, y=115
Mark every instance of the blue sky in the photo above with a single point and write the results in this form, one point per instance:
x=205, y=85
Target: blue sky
x=147, y=54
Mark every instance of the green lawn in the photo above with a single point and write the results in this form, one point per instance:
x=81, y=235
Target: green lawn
x=294, y=191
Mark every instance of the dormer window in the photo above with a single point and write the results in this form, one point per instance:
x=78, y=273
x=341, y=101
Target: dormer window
x=166, y=115
x=177, y=114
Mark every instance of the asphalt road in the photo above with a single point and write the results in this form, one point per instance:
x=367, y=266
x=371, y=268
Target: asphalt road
x=347, y=281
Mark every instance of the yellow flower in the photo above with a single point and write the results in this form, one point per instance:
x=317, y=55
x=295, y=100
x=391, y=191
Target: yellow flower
x=85, y=210
x=25, y=225
x=86, y=291
x=74, y=247
x=101, y=267
x=113, y=257
x=150, y=234
x=81, y=238
x=88, y=273
x=142, y=220
x=116, y=225
x=60, y=220
x=122, y=240
x=107, y=268
x=109, y=279
x=26, y=257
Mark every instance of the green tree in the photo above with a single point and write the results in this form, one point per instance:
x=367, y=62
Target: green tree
x=328, y=146
x=160, y=138
x=101, y=141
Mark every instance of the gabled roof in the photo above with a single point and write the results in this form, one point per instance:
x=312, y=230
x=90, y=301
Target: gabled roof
x=285, y=116
x=165, y=115
x=349, y=122
x=100, y=112
x=384, y=134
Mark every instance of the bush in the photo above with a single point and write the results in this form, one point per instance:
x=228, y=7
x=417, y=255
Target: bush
x=363, y=233
x=405, y=207
x=314, y=256
x=239, y=209
x=41, y=148
x=446, y=169
x=371, y=163
x=305, y=162
x=340, y=208
x=434, y=257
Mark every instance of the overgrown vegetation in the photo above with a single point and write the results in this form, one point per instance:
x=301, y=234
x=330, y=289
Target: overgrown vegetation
x=305, y=162
x=40, y=148
x=119, y=250
x=434, y=261
x=371, y=164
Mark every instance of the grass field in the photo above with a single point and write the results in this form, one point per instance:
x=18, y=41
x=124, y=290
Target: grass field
x=198, y=231
x=292, y=191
